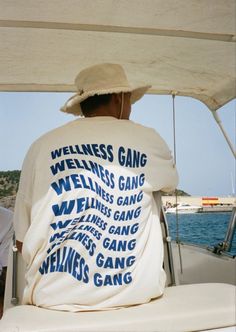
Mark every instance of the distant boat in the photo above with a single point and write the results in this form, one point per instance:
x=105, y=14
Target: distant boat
x=184, y=208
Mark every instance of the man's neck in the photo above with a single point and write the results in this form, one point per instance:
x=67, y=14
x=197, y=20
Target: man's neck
x=104, y=112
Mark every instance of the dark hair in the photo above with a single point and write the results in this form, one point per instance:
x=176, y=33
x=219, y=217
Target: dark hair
x=92, y=103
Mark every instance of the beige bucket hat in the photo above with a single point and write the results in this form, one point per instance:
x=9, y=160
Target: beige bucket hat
x=98, y=80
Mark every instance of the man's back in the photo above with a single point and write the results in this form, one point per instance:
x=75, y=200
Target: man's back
x=91, y=227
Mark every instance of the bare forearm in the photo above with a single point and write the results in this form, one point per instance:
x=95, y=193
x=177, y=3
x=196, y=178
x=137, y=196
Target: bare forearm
x=19, y=245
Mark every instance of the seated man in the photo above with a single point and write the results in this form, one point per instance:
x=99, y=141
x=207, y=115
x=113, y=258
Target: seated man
x=6, y=234
x=85, y=211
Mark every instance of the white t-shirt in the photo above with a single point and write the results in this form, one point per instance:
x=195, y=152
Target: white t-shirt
x=6, y=234
x=86, y=215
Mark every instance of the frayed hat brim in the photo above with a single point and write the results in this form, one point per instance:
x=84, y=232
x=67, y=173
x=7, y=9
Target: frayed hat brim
x=72, y=106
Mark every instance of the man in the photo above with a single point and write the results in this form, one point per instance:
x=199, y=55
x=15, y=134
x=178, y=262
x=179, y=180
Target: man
x=85, y=211
x=6, y=234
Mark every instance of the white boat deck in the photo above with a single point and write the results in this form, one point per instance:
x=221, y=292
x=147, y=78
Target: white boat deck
x=182, y=308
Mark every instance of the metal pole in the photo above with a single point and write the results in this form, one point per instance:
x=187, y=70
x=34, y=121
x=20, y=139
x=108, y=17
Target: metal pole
x=166, y=238
x=230, y=231
x=169, y=247
x=14, y=298
x=217, y=119
x=176, y=192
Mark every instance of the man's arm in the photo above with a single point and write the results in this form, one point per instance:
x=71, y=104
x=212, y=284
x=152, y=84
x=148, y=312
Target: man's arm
x=19, y=245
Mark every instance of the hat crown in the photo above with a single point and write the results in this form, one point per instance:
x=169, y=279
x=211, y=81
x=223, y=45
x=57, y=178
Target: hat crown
x=101, y=77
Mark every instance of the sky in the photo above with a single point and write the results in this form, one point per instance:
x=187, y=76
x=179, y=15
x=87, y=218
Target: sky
x=205, y=163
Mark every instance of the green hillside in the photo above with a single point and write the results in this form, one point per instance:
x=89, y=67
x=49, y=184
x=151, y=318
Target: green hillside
x=173, y=193
x=9, y=181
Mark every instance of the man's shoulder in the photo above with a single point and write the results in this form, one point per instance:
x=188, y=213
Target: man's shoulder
x=147, y=131
x=140, y=127
x=46, y=137
x=45, y=140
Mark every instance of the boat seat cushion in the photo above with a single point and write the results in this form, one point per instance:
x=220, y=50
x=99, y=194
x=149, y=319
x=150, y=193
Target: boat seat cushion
x=182, y=308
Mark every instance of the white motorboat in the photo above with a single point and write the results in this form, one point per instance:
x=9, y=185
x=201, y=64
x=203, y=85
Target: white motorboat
x=184, y=208
x=182, y=48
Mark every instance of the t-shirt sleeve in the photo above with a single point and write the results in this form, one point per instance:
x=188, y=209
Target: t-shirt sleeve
x=165, y=172
x=21, y=217
x=23, y=203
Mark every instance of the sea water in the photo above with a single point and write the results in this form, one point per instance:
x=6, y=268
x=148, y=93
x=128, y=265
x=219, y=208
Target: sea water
x=204, y=229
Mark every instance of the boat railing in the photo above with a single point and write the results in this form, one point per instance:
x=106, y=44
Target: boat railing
x=14, y=298
x=226, y=245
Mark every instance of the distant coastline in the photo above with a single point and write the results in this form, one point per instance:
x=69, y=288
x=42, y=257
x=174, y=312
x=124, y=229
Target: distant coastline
x=197, y=200
x=9, y=181
x=208, y=204
x=225, y=204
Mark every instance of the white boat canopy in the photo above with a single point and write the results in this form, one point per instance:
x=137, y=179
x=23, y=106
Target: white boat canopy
x=179, y=47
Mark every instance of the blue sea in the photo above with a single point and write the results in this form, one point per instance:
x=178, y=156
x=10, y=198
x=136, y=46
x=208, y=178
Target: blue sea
x=205, y=229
